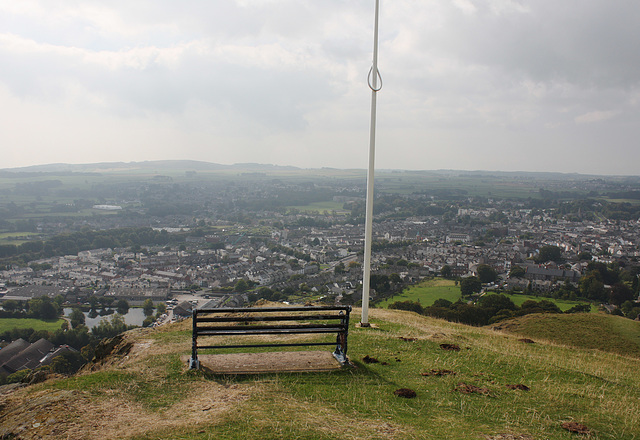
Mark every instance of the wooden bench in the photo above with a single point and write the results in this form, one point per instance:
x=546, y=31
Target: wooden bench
x=274, y=321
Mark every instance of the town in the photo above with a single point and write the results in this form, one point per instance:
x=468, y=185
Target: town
x=244, y=239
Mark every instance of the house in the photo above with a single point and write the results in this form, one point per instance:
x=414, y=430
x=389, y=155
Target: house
x=28, y=358
x=183, y=310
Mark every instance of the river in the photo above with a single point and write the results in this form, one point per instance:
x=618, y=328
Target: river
x=134, y=316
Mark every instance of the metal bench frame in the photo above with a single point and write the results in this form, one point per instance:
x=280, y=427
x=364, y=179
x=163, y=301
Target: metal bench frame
x=271, y=321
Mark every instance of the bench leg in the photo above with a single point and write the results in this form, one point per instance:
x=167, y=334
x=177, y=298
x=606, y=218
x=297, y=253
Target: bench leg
x=194, y=363
x=341, y=349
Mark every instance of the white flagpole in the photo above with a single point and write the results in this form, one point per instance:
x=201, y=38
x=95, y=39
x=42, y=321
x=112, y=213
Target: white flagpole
x=374, y=75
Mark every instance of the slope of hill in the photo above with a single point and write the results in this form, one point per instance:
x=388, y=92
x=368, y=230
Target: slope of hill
x=597, y=331
x=470, y=383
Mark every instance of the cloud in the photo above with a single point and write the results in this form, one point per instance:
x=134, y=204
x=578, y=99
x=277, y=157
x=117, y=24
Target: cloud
x=284, y=81
x=597, y=116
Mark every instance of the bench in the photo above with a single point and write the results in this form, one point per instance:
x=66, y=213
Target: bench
x=244, y=321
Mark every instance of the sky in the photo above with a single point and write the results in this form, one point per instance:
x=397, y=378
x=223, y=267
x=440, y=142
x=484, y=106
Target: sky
x=504, y=85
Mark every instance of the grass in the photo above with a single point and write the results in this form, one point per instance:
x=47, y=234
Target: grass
x=322, y=207
x=7, y=324
x=428, y=291
x=23, y=235
x=564, y=305
x=592, y=331
x=149, y=394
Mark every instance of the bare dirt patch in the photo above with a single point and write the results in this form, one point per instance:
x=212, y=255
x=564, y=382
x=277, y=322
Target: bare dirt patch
x=404, y=338
x=518, y=386
x=466, y=388
x=439, y=373
x=508, y=437
x=271, y=362
x=527, y=340
x=370, y=360
x=450, y=347
x=578, y=428
x=407, y=393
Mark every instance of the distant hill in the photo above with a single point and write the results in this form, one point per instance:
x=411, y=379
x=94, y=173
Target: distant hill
x=194, y=165
x=609, y=333
x=154, y=166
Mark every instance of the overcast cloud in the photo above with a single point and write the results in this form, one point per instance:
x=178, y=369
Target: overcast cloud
x=483, y=84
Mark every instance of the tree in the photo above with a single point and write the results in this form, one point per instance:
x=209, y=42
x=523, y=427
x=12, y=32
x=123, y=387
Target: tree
x=241, y=285
x=77, y=318
x=517, y=272
x=486, y=273
x=122, y=307
x=584, y=256
x=108, y=328
x=412, y=306
x=67, y=363
x=620, y=293
x=338, y=268
x=591, y=287
x=549, y=253
x=380, y=283
x=497, y=303
x=43, y=308
x=161, y=308
x=446, y=271
x=147, y=307
x=93, y=302
x=10, y=305
x=470, y=285
x=441, y=302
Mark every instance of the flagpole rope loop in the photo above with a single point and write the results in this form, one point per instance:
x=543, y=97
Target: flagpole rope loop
x=375, y=89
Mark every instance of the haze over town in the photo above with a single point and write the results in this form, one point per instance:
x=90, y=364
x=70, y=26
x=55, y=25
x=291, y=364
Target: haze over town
x=489, y=84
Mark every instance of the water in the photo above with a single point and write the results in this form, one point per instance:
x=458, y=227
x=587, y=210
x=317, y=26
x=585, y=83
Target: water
x=133, y=317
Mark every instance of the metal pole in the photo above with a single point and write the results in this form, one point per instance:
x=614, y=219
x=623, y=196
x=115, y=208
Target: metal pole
x=368, y=228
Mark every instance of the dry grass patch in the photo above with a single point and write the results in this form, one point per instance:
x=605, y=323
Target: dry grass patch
x=57, y=414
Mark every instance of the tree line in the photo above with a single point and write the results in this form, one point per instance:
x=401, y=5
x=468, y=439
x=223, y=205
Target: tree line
x=74, y=242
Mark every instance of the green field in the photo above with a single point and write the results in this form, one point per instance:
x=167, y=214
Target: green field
x=322, y=207
x=428, y=291
x=149, y=394
x=7, y=324
x=564, y=305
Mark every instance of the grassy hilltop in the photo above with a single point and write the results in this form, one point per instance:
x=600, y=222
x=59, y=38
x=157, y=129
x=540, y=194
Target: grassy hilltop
x=143, y=391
